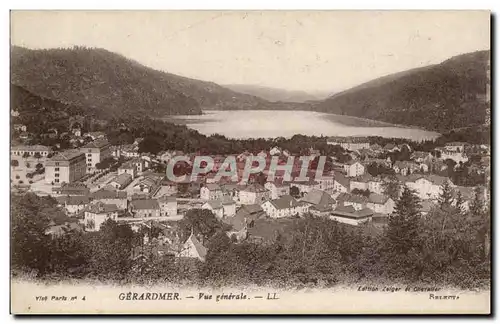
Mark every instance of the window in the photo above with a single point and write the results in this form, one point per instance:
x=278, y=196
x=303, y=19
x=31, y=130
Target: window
x=57, y=163
x=56, y=175
x=89, y=155
x=56, y=180
x=56, y=169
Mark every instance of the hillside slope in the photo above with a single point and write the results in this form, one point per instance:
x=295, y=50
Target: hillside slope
x=275, y=95
x=439, y=97
x=112, y=84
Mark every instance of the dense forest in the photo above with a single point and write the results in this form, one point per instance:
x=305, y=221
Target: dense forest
x=448, y=247
x=439, y=97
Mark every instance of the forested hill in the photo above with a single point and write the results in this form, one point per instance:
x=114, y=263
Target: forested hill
x=439, y=97
x=111, y=84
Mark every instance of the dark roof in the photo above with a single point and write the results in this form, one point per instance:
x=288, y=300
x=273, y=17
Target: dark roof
x=352, y=198
x=123, y=179
x=378, y=198
x=212, y=186
x=108, y=194
x=350, y=212
x=242, y=217
x=99, y=143
x=200, y=249
x=319, y=198
x=254, y=187
x=285, y=202
x=145, y=204
x=77, y=200
x=66, y=155
x=343, y=180
x=252, y=208
x=101, y=208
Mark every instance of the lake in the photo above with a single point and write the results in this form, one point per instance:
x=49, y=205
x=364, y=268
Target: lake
x=285, y=123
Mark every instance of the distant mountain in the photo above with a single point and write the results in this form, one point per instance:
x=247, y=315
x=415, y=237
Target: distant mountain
x=439, y=97
x=111, y=84
x=275, y=95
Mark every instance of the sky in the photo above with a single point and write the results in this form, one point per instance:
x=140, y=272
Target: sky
x=294, y=50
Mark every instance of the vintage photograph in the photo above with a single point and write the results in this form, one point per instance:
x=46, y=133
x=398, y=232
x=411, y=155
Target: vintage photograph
x=250, y=162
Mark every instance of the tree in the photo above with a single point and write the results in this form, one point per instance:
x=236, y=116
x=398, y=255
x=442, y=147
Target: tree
x=39, y=166
x=150, y=145
x=37, y=155
x=200, y=221
x=29, y=243
x=477, y=205
x=402, y=231
x=26, y=155
x=446, y=196
x=14, y=163
x=391, y=187
x=294, y=192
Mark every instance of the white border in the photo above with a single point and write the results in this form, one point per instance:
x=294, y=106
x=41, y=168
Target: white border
x=185, y=4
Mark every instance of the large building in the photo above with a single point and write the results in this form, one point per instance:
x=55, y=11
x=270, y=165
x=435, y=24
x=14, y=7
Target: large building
x=31, y=150
x=95, y=152
x=65, y=167
x=349, y=143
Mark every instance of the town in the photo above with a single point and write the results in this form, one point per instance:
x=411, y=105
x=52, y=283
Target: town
x=94, y=181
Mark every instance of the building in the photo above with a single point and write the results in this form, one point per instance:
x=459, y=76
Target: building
x=95, y=152
x=360, y=182
x=192, y=248
x=320, y=202
x=150, y=184
x=405, y=167
x=305, y=186
x=95, y=135
x=31, y=150
x=65, y=167
x=349, y=143
x=254, y=194
x=97, y=213
x=458, y=147
x=71, y=189
x=390, y=147
x=111, y=197
x=168, y=206
x=326, y=182
x=341, y=183
x=222, y=208
x=245, y=217
x=277, y=188
x=381, y=204
x=76, y=204
x=211, y=191
x=144, y=208
x=428, y=186
x=121, y=181
x=129, y=168
x=285, y=206
x=348, y=215
x=354, y=169
x=358, y=202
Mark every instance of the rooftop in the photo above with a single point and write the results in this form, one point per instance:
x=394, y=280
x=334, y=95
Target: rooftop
x=142, y=204
x=101, y=208
x=67, y=155
x=99, y=143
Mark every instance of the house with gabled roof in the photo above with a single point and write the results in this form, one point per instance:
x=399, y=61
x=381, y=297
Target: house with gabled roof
x=358, y=202
x=320, y=202
x=354, y=168
x=278, y=188
x=76, y=204
x=143, y=208
x=121, y=181
x=254, y=194
x=108, y=196
x=341, y=183
x=222, y=208
x=285, y=206
x=211, y=191
x=349, y=215
x=97, y=213
x=381, y=204
x=428, y=186
x=193, y=248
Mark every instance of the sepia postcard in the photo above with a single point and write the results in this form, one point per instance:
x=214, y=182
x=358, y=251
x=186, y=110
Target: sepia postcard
x=250, y=162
